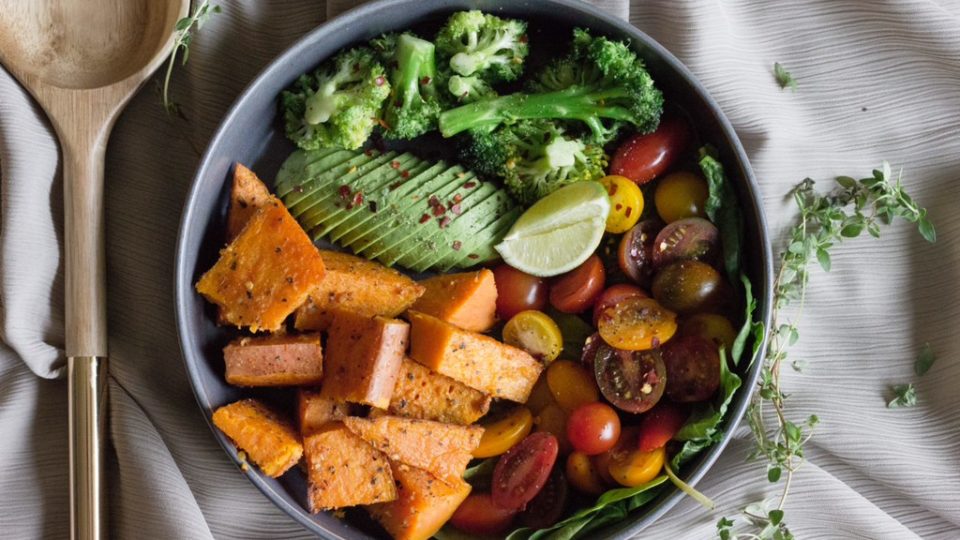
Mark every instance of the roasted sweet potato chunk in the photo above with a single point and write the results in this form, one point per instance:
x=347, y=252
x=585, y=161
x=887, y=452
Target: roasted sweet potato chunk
x=266, y=272
x=476, y=360
x=343, y=470
x=467, y=300
x=357, y=285
x=363, y=358
x=248, y=195
x=424, y=504
x=269, y=440
x=281, y=360
x=317, y=411
x=443, y=450
x=421, y=393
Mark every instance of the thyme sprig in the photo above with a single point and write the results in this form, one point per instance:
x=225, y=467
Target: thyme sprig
x=184, y=29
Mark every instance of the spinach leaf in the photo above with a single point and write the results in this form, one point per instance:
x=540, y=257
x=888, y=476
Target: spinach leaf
x=723, y=210
x=480, y=475
x=575, y=332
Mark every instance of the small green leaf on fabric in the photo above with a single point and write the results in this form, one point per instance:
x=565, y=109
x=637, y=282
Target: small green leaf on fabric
x=904, y=395
x=925, y=360
x=784, y=78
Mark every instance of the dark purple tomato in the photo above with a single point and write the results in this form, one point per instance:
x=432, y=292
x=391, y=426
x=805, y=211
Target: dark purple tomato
x=687, y=239
x=521, y=473
x=633, y=381
x=635, y=253
x=693, y=369
x=688, y=287
x=548, y=506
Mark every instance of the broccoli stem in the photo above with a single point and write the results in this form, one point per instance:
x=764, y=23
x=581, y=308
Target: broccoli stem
x=417, y=67
x=574, y=103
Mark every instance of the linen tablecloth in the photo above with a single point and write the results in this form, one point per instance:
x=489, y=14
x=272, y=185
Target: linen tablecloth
x=877, y=80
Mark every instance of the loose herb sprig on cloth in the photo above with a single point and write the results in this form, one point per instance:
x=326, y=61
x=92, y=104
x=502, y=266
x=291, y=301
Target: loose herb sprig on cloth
x=853, y=207
x=184, y=35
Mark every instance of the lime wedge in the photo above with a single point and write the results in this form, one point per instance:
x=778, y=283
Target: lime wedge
x=559, y=231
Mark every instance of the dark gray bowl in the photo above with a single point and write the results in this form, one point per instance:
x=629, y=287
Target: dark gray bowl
x=251, y=134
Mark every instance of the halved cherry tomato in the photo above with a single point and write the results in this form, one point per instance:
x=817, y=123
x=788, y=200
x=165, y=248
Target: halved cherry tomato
x=518, y=291
x=593, y=428
x=644, y=157
x=688, y=287
x=500, y=434
x=601, y=462
x=478, y=515
x=626, y=203
x=571, y=385
x=540, y=396
x=583, y=475
x=589, y=352
x=535, y=332
x=614, y=294
x=693, y=369
x=636, y=467
x=521, y=473
x=635, y=253
x=681, y=195
x=690, y=238
x=553, y=420
x=659, y=425
x=636, y=324
x=548, y=506
x=710, y=326
x=633, y=381
x=576, y=290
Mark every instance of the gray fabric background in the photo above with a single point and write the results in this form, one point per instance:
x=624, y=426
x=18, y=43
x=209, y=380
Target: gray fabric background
x=877, y=80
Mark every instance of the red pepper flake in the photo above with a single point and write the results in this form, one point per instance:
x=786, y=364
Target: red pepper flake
x=368, y=152
x=424, y=218
x=522, y=39
x=619, y=206
x=456, y=209
x=456, y=245
x=470, y=185
x=395, y=185
x=394, y=164
x=405, y=174
x=473, y=256
x=439, y=210
x=357, y=199
x=444, y=222
x=345, y=192
x=612, y=190
x=383, y=123
x=628, y=211
x=433, y=200
x=457, y=198
x=425, y=80
x=379, y=81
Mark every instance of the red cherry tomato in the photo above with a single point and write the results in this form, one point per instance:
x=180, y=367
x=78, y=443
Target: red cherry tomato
x=478, y=515
x=593, y=428
x=635, y=252
x=576, y=290
x=693, y=369
x=642, y=158
x=659, y=425
x=613, y=295
x=521, y=473
x=518, y=291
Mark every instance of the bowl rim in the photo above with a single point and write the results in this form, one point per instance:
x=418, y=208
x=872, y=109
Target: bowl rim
x=184, y=291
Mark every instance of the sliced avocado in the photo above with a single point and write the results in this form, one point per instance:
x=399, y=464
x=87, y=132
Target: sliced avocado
x=296, y=171
x=300, y=200
x=478, y=248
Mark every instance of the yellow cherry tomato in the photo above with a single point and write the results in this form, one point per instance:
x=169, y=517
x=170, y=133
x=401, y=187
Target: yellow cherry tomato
x=712, y=327
x=635, y=467
x=626, y=203
x=504, y=432
x=540, y=396
x=535, y=332
x=571, y=385
x=553, y=420
x=583, y=475
x=681, y=195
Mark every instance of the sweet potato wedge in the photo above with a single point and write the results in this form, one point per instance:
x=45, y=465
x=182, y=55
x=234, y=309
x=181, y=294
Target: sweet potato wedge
x=317, y=411
x=467, y=300
x=248, y=195
x=476, y=360
x=343, y=470
x=276, y=360
x=421, y=393
x=357, y=285
x=270, y=441
x=423, y=504
x=443, y=450
x=363, y=358
x=266, y=272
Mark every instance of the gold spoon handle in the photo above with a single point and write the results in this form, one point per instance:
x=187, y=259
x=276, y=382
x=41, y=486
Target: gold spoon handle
x=88, y=397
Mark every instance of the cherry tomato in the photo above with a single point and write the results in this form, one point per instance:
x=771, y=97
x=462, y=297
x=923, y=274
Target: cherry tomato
x=614, y=294
x=633, y=381
x=478, y=515
x=659, y=425
x=571, y=385
x=681, y=195
x=635, y=253
x=576, y=290
x=693, y=369
x=583, y=474
x=690, y=238
x=636, y=467
x=688, y=287
x=636, y=324
x=548, y=506
x=593, y=428
x=535, y=332
x=710, y=326
x=626, y=203
x=589, y=352
x=540, y=396
x=518, y=291
x=553, y=420
x=642, y=158
x=501, y=433
x=601, y=462
x=521, y=473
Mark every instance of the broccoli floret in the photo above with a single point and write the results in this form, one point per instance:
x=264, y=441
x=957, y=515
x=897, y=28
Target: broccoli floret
x=484, y=45
x=338, y=104
x=413, y=105
x=601, y=84
x=534, y=158
x=469, y=89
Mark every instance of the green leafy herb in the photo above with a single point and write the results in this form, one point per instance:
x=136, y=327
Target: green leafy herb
x=904, y=395
x=784, y=78
x=575, y=332
x=723, y=210
x=480, y=475
x=925, y=360
x=181, y=42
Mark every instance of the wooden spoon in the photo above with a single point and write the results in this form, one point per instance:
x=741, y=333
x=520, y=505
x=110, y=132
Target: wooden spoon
x=82, y=60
